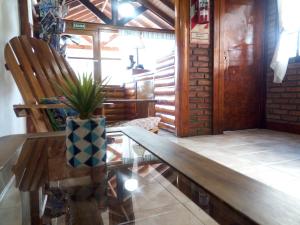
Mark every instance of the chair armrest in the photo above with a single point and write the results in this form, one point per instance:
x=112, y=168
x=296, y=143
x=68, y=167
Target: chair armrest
x=22, y=110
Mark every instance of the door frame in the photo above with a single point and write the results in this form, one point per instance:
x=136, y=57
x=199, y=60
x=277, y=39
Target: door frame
x=219, y=72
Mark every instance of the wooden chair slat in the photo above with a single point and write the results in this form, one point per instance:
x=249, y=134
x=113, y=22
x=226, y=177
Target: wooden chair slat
x=63, y=66
x=27, y=69
x=18, y=75
x=45, y=64
x=45, y=48
x=24, y=88
x=40, y=75
x=70, y=69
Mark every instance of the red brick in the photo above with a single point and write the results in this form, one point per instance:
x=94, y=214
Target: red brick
x=289, y=118
x=204, y=82
x=293, y=89
x=280, y=111
x=277, y=89
x=200, y=64
x=203, y=58
x=294, y=113
x=288, y=107
x=197, y=75
x=203, y=70
x=203, y=94
x=193, y=69
x=200, y=52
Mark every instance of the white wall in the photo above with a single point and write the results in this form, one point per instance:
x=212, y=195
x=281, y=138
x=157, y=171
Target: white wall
x=9, y=93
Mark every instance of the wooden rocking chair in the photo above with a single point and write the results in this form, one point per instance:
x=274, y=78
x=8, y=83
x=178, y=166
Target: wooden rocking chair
x=35, y=67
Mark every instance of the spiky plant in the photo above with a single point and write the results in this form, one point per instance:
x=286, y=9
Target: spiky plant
x=83, y=95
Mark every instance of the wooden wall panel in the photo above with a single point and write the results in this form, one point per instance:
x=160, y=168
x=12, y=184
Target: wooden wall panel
x=164, y=91
x=115, y=112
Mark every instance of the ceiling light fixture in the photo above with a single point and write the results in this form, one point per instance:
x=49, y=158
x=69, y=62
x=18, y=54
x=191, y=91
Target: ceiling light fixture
x=126, y=9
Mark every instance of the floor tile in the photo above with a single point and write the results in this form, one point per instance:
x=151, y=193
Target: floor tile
x=268, y=156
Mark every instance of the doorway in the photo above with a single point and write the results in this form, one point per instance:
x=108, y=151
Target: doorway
x=238, y=60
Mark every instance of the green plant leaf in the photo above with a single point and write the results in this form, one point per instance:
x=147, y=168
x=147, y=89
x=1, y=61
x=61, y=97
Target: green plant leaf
x=83, y=95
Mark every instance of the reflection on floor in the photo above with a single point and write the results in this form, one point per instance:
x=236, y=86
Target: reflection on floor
x=10, y=209
x=268, y=156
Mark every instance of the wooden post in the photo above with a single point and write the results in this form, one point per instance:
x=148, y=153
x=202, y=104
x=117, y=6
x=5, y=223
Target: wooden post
x=114, y=12
x=218, y=81
x=24, y=18
x=182, y=32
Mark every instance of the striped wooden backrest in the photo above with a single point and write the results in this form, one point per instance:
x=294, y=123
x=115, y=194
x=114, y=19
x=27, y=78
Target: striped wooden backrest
x=36, y=68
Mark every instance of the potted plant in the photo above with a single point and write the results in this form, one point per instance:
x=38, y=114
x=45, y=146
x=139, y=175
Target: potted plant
x=85, y=133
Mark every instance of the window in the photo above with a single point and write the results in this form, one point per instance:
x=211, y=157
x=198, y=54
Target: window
x=80, y=55
x=118, y=46
x=296, y=58
x=288, y=42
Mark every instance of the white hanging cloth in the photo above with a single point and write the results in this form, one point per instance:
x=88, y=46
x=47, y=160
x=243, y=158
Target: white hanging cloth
x=289, y=26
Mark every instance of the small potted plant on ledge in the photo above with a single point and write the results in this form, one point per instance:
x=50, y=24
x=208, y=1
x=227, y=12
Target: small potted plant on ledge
x=85, y=133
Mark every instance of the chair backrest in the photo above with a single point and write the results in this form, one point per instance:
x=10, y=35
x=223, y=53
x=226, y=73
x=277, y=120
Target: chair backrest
x=36, y=67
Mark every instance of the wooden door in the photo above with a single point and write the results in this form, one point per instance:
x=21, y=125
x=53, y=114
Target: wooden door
x=242, y=43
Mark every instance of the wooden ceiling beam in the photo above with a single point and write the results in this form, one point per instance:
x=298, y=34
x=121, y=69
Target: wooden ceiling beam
x=96, y=11
x=138, y=11
x=162, y=24
x=93, y=26
x=169, y=4
x=76, y=16
x=157, y=11
x=104, y=5
x=85, y=17
x=145, y=22
x=114, y=12
x=73, y=4
x=81, y=9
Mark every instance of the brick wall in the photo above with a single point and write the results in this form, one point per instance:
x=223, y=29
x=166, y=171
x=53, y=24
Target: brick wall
x=200, y=95
x=283, y=100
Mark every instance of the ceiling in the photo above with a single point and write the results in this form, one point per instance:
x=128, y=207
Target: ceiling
x=157, y=14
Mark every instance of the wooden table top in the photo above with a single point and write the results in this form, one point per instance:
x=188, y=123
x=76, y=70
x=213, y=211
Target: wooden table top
x=130, y=100
x=261, y=203
x=257, y=201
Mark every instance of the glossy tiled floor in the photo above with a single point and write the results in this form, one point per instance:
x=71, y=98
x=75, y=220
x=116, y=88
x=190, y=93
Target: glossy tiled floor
x=10, y=209
x=268, y=156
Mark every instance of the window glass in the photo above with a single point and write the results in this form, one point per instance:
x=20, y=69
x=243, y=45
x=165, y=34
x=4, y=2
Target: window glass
x=80, y=53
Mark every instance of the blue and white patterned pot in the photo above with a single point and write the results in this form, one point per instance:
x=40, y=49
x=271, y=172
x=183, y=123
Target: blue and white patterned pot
x=86, y=142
